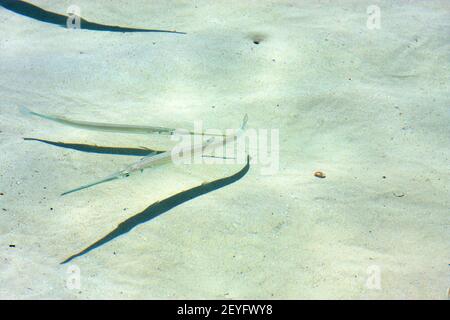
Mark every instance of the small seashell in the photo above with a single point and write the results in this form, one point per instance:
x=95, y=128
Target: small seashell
x=319, y=174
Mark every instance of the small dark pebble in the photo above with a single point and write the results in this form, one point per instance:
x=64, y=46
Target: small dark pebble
x=12, y=245
x=256, y=42
x=384, y=177
x=51, y=208
x=2, y=194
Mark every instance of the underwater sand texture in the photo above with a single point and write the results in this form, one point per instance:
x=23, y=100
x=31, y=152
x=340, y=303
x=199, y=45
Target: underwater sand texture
x=369, y=108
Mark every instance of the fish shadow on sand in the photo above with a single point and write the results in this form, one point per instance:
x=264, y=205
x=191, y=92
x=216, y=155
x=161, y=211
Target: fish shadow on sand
x=34, y=12
x=142, y=152
x=161, y=207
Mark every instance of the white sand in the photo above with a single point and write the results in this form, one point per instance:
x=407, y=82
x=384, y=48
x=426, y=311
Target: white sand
x=358, y=104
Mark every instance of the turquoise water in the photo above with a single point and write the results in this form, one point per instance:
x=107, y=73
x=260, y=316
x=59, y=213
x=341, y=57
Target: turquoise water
x=356, y=92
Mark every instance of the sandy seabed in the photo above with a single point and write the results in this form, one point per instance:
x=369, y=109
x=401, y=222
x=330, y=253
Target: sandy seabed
x=367, y=106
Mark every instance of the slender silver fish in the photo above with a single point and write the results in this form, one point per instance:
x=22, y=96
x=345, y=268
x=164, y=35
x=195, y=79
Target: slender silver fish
x=110, y=127
x=161, y=157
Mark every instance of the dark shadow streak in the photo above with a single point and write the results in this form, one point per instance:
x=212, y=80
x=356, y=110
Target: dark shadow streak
x=31, y=11
x=161, y=207
x=98, y=149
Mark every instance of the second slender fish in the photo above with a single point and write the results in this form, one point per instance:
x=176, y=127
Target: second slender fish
x=109, y=127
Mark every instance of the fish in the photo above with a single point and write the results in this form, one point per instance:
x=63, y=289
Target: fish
x=111, y=127
x=137, y=166
x=151, y=160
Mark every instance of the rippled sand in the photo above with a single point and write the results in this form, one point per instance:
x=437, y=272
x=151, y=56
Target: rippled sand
x=368, y=107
